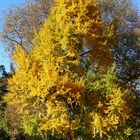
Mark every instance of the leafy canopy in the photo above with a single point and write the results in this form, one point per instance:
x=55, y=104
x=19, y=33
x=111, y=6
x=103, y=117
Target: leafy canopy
x=50, y=93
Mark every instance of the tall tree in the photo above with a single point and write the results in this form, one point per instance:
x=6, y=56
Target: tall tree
x=53, y=93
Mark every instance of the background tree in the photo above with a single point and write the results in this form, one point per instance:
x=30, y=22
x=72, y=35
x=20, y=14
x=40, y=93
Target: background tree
x=127, y=56
x=3, y=91
x=123, y=10
x=126, y=52
x=21, y=23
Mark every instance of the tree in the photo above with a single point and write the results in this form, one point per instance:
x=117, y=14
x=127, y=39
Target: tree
x=3, y=91
x=54, y=93
x=20, y=23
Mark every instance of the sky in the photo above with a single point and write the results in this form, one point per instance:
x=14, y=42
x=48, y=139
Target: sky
x=4, y=6
x=137, y=4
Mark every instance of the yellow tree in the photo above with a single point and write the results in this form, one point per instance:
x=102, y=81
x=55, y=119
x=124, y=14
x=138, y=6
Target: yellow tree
x=48, y=88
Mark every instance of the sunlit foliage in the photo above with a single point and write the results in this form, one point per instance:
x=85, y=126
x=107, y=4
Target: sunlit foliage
x=52, y=92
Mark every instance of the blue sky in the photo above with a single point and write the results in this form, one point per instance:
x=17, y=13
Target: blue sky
x=4, y=6
x=137, y=4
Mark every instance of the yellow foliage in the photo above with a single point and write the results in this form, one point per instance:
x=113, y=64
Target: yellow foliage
x=113, y=112
x=108, y=104
x=48, y=85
